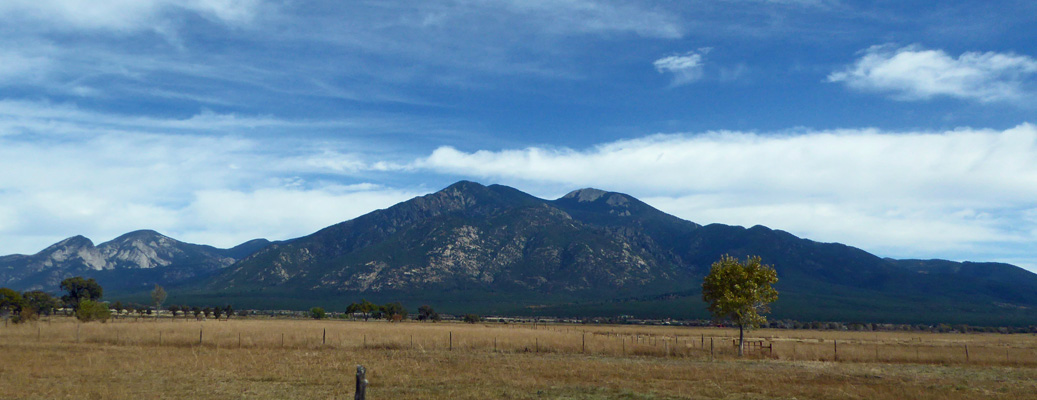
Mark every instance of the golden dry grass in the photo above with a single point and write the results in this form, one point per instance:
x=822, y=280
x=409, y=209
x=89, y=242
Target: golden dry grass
x=125, y=360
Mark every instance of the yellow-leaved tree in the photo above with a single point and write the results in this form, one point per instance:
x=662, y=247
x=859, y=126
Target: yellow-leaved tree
x=740, y=292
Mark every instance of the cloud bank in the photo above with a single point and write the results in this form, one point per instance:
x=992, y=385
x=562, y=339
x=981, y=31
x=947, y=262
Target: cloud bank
x=963, y=193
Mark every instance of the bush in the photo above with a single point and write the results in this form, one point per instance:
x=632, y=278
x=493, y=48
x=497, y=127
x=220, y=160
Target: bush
x=318, y=313
x=90, y=310
x=26, y=315
x=472, y=318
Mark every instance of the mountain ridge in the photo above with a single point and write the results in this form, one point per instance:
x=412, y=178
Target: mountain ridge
x=496, y=249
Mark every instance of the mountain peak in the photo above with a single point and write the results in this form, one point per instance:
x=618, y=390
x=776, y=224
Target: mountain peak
x=585, y=194
x=77, y=241
x=465, y=186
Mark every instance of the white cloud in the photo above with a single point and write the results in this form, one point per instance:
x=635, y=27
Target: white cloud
x=914, y=73
x=586, y=16
x=949, y=194
x=122, y=15
x=685, y=68
x=66, y=171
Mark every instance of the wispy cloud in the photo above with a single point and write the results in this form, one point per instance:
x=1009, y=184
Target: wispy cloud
x=915, y=73
x=65, y=171
x=124, y=16
x=685, y=68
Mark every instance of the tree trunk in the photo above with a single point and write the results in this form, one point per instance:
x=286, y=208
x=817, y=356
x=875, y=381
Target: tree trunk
x=741, y=339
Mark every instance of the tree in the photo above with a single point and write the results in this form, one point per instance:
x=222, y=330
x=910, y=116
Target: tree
x=11, y=302
x=197, y=311
x=228, y=311
x=207, y=311
x=217, y=312
x=472, y=318
x=426, y=313
x=90, y=310
x=740, y=292
x=80, y=289
x=40, y=302
x=364, y=307
x=118, y=307
x=392, y=310
x=317, y=313
x=173, y=309
x=158, y=296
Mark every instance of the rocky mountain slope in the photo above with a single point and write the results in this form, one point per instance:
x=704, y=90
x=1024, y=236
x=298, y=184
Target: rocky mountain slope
x=493, y=247
x=134, y=260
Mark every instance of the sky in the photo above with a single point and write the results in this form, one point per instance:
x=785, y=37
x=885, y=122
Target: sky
x=901, y=128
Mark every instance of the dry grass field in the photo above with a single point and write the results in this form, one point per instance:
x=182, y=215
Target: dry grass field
x=306, y=359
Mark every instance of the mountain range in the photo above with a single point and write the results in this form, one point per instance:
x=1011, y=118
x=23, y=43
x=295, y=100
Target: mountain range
x=495, y=249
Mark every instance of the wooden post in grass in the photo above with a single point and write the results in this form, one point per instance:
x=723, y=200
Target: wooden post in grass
x=324, y=337
x=494, y=344
x=835, y=347
x=199, y=335
x=282, y=340
x=361, y=383
x=239, y=340
x=77, y=332
x=703, y=345
x=584, y=350
x=537, y=344
x=966, y=352
x=159, y=338
x=710, y=349
x=451, y=340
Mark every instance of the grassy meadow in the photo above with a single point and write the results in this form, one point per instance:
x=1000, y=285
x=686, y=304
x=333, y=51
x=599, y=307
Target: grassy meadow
x=308, y=359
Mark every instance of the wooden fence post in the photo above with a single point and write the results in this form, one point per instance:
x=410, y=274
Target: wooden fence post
x=710, y=349
x=324, y=337
x=361, y=383
x=966, y=352
x=584, y=350
x=200, y=335
x=835, y=345
x=451, y=340
x=282, y=339
x=159, y=338
x=239, y=340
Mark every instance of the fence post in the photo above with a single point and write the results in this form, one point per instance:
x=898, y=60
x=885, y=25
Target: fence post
x=159, y=338
x=451, y=340
x=200, y=335
x=282, y=339
x=966, y=352
x=835, y=345
x=584, y=350
x=324, y=337
x=239, y=340
x=710, y=349
x=361, y=383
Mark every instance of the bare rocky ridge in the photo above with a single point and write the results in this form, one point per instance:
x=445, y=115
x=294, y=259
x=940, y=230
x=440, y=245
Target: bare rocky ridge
x=168, y=261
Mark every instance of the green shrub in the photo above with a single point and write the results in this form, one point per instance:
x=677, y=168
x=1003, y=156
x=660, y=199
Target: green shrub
x=90, y=310
x=317, y=313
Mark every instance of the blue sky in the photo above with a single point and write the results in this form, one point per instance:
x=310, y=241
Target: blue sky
x=898, y=127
